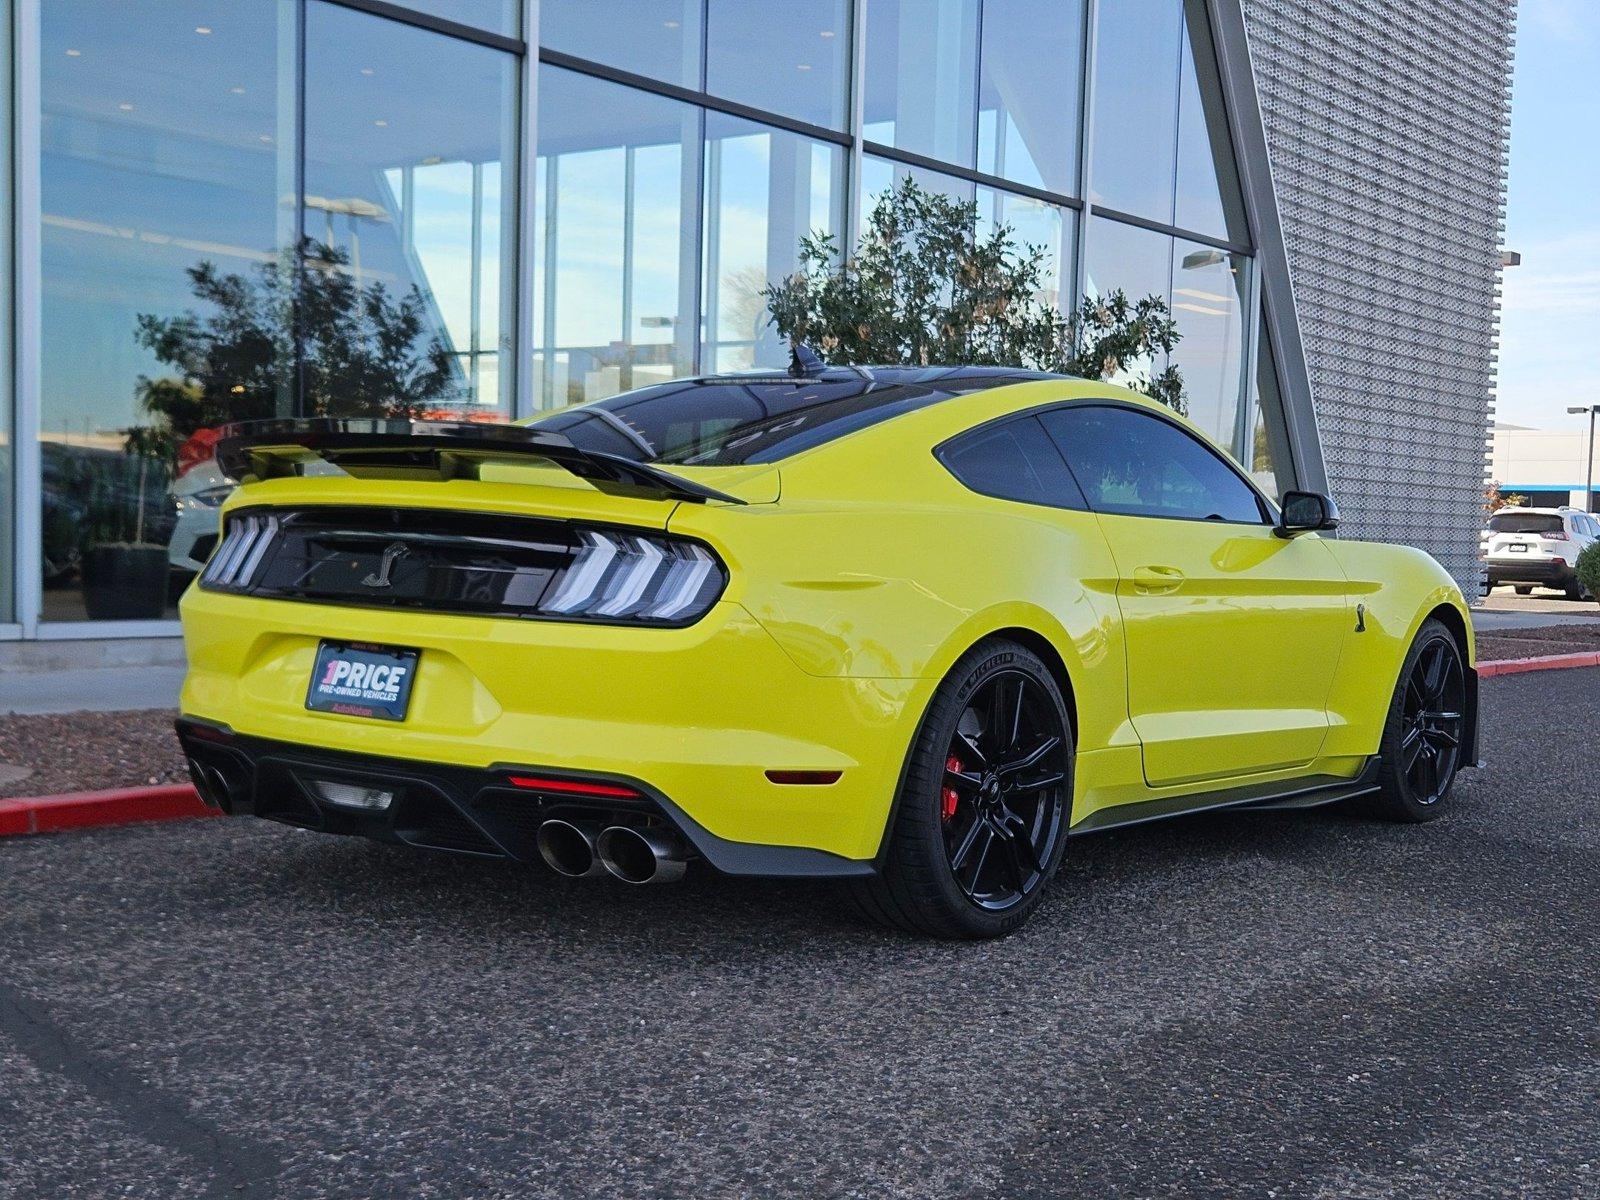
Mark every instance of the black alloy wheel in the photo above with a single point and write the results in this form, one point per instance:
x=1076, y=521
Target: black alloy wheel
x=1432, y=721
x=1426, y=729
x=1003, y=799
x=981, y=819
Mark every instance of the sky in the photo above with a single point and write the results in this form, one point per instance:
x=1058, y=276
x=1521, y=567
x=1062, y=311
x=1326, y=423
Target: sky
x=1550, y=318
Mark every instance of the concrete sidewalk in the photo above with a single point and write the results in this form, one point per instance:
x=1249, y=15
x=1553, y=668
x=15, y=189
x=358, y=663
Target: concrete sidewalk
x=1504, y=609
x=90, y=675
x=103, y=689
x=1488, y=620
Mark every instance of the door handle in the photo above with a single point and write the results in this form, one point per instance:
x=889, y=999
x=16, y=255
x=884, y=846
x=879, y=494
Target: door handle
x=1157, y=579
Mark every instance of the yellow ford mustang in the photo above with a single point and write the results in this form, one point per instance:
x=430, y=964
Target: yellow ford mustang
x=912, y=628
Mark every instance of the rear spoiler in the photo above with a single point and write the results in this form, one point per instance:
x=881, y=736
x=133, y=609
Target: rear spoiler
x=277, y=447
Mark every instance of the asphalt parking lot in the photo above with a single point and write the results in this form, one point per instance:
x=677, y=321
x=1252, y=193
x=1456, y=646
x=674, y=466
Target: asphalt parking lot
x=1273, y=1005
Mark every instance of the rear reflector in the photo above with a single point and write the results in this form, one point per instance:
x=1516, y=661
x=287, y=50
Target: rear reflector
x=812, y=777
x=573, y=787
x=207, y=733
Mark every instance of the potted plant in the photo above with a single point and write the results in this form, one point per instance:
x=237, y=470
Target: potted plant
x=125, y=576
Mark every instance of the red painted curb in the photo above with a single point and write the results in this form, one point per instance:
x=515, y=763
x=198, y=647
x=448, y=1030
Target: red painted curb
x=87, y=810
x=1549, y=662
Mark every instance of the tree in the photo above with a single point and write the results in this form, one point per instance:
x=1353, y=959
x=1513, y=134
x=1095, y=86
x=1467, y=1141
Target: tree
x=1111, y=338
x=362, y=351
x=1494, y=500
x=1588, y=569
x=924, y=287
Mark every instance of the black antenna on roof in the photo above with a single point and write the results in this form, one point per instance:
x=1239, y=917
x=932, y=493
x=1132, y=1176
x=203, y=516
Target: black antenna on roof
x=803, y=360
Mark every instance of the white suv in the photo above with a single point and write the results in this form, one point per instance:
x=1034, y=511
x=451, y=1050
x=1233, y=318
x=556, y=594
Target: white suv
x=1528, y=547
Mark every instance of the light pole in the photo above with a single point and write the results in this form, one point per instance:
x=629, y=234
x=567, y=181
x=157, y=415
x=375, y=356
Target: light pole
x=1588, y=487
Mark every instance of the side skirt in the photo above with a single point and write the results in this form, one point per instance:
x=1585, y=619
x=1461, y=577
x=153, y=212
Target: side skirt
x=1310, y=792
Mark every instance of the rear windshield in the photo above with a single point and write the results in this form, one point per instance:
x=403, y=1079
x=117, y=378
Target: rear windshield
x=1525, y=523
x=725, y=422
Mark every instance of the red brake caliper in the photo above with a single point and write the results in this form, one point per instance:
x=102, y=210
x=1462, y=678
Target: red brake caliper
x=949, y=796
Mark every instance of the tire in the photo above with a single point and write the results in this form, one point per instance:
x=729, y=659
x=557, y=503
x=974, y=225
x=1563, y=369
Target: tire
x=1576, y=591
x=1420, y=752
x=980, y=823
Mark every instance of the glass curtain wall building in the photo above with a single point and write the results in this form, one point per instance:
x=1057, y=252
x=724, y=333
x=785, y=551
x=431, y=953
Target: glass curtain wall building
x=685, y=146
x=248, y=210
x=481, y=208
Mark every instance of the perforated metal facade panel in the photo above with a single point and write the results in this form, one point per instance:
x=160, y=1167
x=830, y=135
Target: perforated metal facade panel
x=1387, y=127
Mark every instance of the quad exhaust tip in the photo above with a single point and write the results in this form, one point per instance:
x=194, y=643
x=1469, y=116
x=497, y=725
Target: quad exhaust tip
x=641, y=855
x=568, y=848
x=582, y=850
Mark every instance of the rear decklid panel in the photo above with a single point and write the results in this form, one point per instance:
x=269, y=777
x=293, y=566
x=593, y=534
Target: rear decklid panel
x=498, y=521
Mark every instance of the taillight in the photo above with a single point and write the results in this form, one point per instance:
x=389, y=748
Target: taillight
x=469, y=563
x=233, y=564
x=641, y=577
x=1554, y=537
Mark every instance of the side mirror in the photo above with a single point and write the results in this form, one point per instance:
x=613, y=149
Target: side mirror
x=1305, y=512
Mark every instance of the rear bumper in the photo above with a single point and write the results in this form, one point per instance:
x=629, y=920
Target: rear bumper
x=693, y=717
x=1522, y=569
x=464, y=810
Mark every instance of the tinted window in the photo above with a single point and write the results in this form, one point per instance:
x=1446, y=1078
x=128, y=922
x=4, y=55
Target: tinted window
x=721, y=422
x=658, y=38
x=1015, y=461
x=160, y=188
x=922, y=80
x=407, y=195
x=1525, y=523
x=1208, y=180
x=611, y=222
x=764, y=190
x=1030, y=63
x=786, y=56
x=498, y=16
x=1133, y=462
x=1138, y=47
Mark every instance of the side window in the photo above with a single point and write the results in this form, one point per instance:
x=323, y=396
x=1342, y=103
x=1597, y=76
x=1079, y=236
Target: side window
x=1015, y=460
x=1133, y=462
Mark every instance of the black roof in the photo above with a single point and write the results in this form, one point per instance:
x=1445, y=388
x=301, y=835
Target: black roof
x=764, y=416
x=893, y=373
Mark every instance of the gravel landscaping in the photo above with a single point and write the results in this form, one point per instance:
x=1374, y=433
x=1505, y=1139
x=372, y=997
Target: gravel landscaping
x=88, y=751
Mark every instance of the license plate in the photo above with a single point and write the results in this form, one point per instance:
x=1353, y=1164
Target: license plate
x=1518, y=547
x=358, y=679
